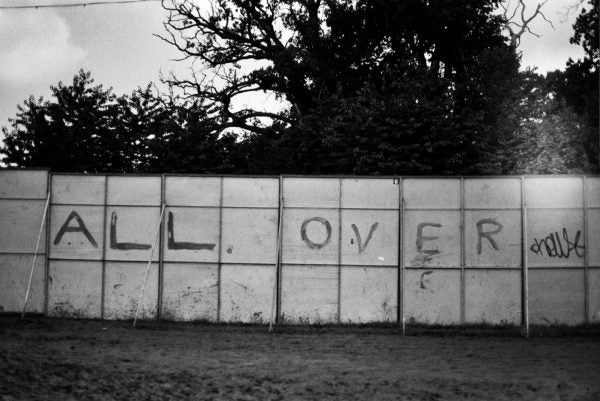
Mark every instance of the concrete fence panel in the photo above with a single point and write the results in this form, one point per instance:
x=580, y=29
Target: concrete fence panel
x=20, y=221
x=432, y=238
x=75, y=289
x=190, y=291
x=556, y=250
x=191, y=234
x=23, y=196
x=23, y=184
x=247, y=293
x=368, y=294
x=310, y=293
x=593, y=250
x=14, y=272
x=493, y=250
x=123, y=285
x=493, y=296
x=432, y=296
x=496, y=250
x=77, y=247
x=556, y=296
x=77, y=232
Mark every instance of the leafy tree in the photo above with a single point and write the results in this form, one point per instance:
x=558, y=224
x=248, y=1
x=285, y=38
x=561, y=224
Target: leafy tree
x=187, y=142
x=373, y=86
x=75, y=132
x=578, y=85
x=549, y=135
x=86, y=128
x=409, y=123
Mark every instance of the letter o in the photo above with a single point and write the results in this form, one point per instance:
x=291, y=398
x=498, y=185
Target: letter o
x=314, y=245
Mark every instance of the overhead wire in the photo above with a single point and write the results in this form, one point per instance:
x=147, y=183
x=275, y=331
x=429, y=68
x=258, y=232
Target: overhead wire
x=66, y=5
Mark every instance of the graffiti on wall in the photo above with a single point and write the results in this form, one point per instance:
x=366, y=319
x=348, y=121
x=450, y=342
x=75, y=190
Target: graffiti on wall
x=304, y=235
x=426, y=237
x=361, y=246
x=175, y=245
x=79, y=228
x=556, y=246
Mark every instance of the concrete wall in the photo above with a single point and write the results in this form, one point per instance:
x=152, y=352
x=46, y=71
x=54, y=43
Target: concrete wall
x=508, y=250
x=23, y=196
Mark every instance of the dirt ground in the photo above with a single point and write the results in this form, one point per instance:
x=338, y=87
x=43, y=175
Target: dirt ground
x=59, y=359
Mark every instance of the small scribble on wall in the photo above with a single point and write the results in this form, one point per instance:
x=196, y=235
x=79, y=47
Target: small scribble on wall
x=557, y=246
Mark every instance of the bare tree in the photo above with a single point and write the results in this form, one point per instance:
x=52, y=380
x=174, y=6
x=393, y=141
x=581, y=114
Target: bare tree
x=517, y=22
x=304, y=51
x=237, y=44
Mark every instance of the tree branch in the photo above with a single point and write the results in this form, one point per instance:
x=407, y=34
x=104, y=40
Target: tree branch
x=522, y=25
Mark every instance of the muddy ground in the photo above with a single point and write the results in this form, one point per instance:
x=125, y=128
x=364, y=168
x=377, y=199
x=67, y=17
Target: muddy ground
x=59, y=359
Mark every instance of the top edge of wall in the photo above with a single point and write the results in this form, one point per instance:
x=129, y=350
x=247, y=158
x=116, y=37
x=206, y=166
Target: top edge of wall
x=398, y=176
x=23, y=184
x=24, y=169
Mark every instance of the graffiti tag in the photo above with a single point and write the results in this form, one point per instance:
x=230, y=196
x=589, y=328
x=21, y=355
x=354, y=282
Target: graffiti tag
x=556, y=247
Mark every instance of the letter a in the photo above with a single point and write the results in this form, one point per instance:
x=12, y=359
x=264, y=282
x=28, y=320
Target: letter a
x=81, y=228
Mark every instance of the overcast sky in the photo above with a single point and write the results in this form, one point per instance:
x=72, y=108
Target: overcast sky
x=40, y=47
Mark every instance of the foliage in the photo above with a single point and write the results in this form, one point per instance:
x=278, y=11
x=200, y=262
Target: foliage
x=187, y=142
x=313, y=47
x=409, y=123
x=367, y=87
x=87, y=128
x=578, y=85
x=396, y=87
x=73, y=133
x=550, y=138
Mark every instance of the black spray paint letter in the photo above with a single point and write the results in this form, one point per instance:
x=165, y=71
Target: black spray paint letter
x=80, y=228
x=557, y=247
x=487, y=234
x=421, y=238
x=313, y=245
x=123, y=246
x=172, y=244
x=361, y=246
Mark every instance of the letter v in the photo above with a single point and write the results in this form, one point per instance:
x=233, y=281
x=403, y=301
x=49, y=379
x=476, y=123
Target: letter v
x=361, y=246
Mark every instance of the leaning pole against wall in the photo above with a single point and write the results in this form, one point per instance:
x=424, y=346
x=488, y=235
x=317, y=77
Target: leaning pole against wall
x=303, y=250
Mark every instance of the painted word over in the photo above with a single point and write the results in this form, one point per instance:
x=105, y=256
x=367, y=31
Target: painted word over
x=327, y=226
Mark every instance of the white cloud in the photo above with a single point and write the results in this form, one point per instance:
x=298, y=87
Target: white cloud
x=35, y=46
